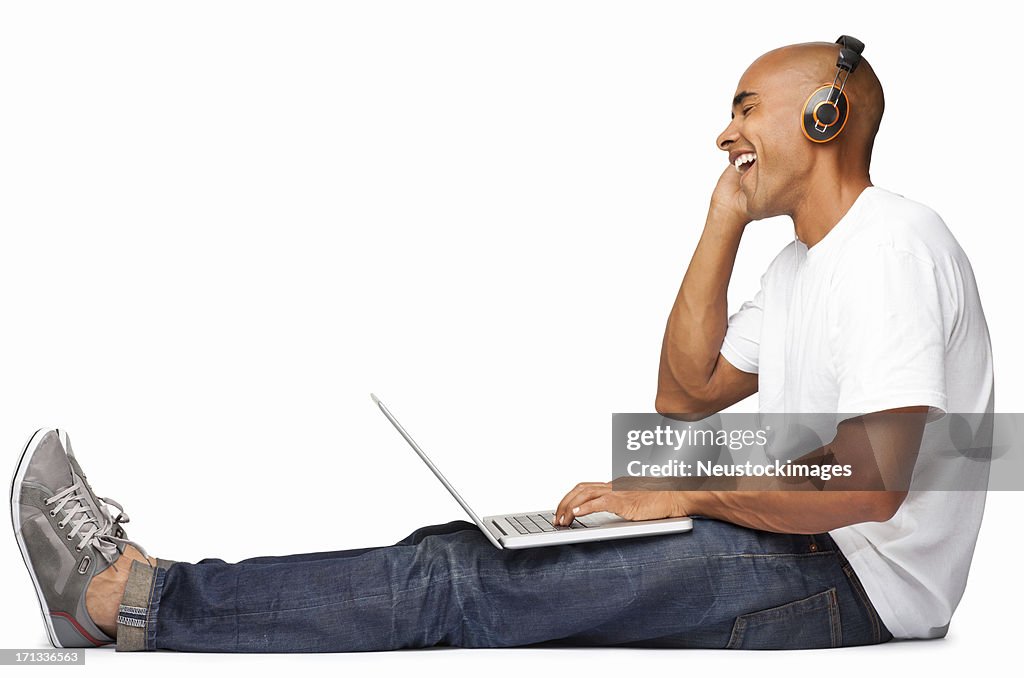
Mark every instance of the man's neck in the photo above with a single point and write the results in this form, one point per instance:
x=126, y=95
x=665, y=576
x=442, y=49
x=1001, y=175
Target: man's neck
x=824, y=205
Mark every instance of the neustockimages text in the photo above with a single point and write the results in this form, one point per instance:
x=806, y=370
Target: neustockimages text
x=704, y=469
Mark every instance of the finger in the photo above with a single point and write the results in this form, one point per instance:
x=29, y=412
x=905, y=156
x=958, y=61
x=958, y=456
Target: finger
x=566, y=503
x=581, y=498
x=604, y=502
x=585, y=493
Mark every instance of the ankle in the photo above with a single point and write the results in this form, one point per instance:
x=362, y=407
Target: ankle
x=105, y=591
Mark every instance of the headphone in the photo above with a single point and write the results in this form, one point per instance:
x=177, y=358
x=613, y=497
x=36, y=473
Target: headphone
x=827, y=109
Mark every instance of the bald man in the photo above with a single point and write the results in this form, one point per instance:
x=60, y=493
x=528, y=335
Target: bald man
x=871, y=310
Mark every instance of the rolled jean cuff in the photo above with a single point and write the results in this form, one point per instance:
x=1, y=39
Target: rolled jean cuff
x=137, y=614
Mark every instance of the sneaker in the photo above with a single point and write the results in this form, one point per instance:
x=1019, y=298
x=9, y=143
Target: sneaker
x=66, y=533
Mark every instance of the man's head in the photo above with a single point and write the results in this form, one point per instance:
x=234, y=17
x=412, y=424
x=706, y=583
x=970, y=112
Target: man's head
x=767, y=114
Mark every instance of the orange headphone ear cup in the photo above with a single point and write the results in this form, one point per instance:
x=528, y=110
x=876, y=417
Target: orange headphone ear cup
x=823, y=120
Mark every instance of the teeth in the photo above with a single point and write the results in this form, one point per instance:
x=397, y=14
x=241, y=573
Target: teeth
x=745, y=158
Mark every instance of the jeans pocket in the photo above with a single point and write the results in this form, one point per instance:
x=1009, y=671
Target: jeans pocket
x=812, y=622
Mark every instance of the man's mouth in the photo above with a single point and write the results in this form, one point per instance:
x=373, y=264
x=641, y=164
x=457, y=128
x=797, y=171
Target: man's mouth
x=744, y=162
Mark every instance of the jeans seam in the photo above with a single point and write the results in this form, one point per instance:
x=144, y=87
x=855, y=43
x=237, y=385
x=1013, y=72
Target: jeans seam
x=859, y=591
x=155, y=593
x=238, y=576
x=738, y=629
x=835, y=617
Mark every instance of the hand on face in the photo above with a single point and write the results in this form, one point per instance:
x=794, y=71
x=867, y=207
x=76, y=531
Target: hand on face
x=728, y=200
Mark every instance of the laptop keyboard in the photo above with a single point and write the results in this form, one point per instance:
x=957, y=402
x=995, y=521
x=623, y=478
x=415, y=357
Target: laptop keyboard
x=535, y=523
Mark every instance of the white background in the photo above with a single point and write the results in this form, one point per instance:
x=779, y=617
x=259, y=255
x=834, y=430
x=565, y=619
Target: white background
x=224, y=224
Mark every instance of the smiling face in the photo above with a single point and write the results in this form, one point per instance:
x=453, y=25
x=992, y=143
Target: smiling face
x=778, y=164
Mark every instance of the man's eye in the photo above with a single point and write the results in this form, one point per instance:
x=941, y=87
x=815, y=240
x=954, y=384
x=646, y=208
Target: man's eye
x=747, y=110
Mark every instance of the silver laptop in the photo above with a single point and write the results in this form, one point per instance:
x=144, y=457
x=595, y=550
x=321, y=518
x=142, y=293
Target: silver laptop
x=536, y=528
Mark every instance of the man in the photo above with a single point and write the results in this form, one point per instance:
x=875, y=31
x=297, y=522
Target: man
x=759, y=569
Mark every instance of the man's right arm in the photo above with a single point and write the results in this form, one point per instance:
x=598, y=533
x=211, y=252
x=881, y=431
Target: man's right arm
x=694, y=380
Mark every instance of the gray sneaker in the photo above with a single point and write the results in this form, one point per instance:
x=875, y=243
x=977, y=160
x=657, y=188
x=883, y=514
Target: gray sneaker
x=66, y=533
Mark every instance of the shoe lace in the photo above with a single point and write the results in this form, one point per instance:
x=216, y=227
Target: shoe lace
x=85, y=520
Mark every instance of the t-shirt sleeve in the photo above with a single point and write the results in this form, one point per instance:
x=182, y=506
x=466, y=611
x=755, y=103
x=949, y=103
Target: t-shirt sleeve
x=888, y=327
x=742, y=342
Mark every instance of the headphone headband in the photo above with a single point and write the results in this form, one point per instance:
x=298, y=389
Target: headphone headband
x=849, y=53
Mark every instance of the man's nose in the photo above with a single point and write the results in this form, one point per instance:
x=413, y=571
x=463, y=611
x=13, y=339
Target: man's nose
x=728, y=136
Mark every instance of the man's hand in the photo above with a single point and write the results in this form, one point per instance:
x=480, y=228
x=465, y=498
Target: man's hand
x=728, y=201
x=632, y=505
x=693, y=377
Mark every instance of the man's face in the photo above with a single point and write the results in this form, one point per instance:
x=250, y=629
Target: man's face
x=766, y=121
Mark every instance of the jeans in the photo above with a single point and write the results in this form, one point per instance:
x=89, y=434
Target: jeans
x=719, y=586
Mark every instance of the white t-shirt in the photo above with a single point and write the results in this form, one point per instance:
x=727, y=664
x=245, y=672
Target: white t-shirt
x=882, y=313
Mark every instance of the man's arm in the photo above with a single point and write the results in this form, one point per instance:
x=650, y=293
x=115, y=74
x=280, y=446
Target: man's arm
x=694, y=379
x=881, y=447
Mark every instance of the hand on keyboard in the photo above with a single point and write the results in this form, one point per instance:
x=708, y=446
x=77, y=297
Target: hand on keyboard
x=588, y=498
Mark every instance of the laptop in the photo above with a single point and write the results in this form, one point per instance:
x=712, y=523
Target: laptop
x=536, y=528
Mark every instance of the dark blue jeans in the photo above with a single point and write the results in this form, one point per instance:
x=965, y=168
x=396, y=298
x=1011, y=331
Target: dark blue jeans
x=719, y=586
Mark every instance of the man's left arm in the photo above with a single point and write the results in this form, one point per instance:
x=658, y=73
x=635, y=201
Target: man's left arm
x=880, y=447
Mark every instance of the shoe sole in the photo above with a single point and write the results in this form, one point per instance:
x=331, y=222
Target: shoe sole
x=19, y=475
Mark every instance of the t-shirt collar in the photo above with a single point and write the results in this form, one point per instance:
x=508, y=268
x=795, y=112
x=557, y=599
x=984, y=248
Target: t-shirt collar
x=837, y=232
